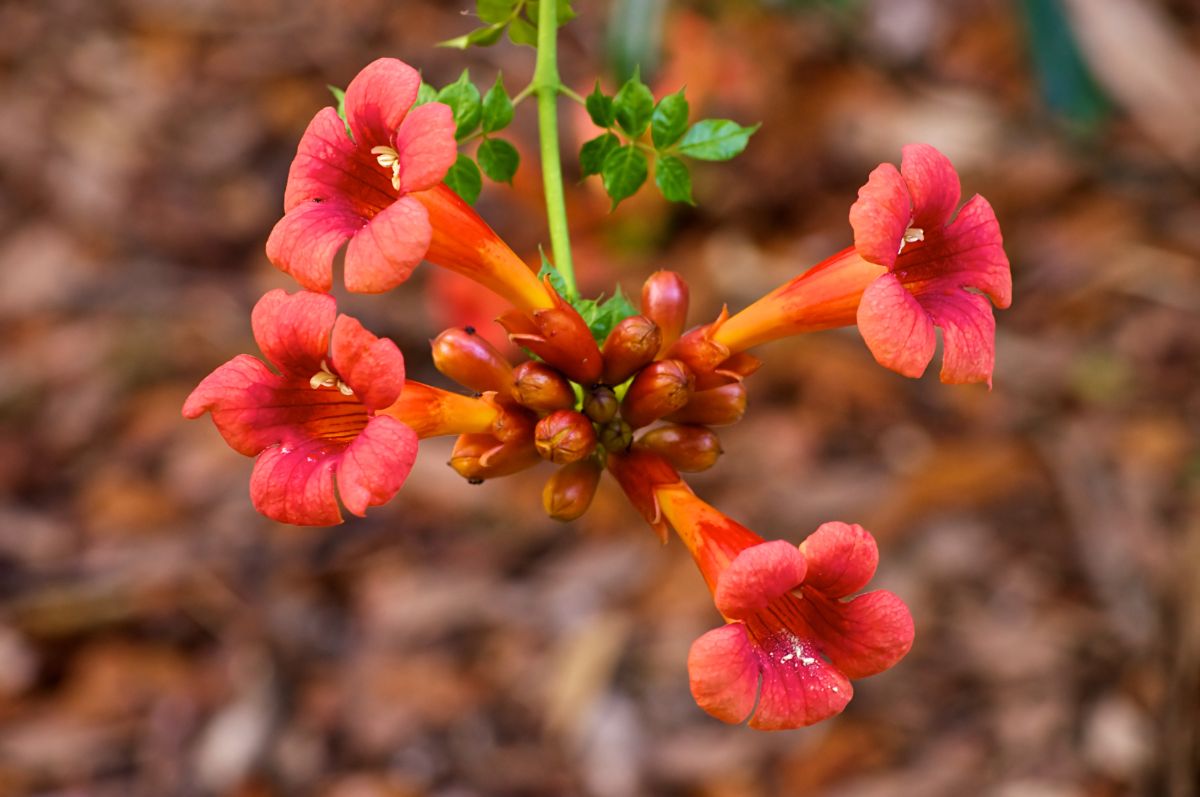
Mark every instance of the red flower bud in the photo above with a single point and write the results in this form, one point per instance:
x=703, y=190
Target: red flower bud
x=665, y=302
x=616, y=436
x=559, y=336
x=632, y=343
x=659, y=389
x=601, y=405
x=564, y=436
x=542, y=388
x=687, y=448
x=481, y=456
x=569, y=492
x=471, y=361
x=698, y=349
x=719, y=406
x=735, y=369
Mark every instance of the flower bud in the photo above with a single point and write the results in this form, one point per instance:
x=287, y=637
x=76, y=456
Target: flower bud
x=640, y=473
x=687, y=448
x=471, y=361
x=569, y=492
x=512, y=422
x=665, y=302
x=559, y=336
x=632, y=343
x=601, y=405
x=616, y=435
x=735, y=369
x=542, y=388
x=481, y=456
x=659, y=389
x=564, y=436
x=719, y=406
x=698, y=349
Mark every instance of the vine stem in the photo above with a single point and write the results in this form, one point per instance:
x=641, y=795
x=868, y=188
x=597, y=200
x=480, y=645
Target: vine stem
x=547, y=85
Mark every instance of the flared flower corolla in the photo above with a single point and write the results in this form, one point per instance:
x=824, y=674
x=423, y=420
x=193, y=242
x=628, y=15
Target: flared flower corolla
x=358, y=188
x=912, y=268
x=318, y=420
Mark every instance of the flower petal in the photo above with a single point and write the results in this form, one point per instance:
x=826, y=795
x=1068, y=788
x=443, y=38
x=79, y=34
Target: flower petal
x=427, y=146
x=329, y=167
x=383, y=254
x=304, y=242
x=295, y=484
x=377, y=100
x=932, y=184
x=232, y=394
x=759, y=574
x=723, y=672
x=842, y=557
x=976, y=246
x=799, y=688
x=375, y=465
x=293, y=330
x=861, y=637
x=373, y=367
x=894, y=326
x=881, y=215
x=968, y=335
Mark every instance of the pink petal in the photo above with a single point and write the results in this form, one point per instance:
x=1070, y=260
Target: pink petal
x=295, y=484
x=427, y=146
x=881, y=215
x=842, y=557
x=293, y=330
x=975, y=245
x=894, y=326
x=233, y=393
x=932, y=184
x=968, y=335
x=377, y=100
x=861, y=637
x=723, y=673
x=383, y=254
x=372, y=367
x=799, y=688
x=376, y=464
x=304, y=242
x=757, y=576
x=329, y=167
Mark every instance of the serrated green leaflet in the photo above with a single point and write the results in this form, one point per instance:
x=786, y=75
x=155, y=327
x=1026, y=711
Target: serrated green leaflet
x=522, y=32
x=497, y=107
x=463, y=99
x=495, y=11
x=601, y=315
x=633, y=106
x=715, y=140
x=623, y=171
x=556, y=280
x=593, y=153
x=465, y=179
x=600, y=107
x=673, y=180
x=563, y=11
x=669, y=120
x=498, y=159
x=480, y=37
x=340, y=96
x=426, y=93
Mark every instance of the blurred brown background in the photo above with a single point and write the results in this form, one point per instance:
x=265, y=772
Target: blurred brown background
x=157, y=637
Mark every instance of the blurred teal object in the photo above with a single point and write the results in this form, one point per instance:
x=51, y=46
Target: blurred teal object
x=1066, y=83
x=635, y=37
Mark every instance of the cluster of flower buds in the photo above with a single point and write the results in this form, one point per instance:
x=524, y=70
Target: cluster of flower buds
x=336, y=420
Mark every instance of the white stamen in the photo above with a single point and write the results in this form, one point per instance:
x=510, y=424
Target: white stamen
x=389, y=158
x=911, y=236
x=327, y=378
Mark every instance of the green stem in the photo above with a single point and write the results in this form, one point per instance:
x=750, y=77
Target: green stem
x=548, y=85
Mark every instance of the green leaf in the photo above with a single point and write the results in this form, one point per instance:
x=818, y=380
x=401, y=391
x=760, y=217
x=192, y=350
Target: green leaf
x=556, y=280
x=340, y=96
x=521, y=32
x=715, y=140
x=601, y=315
x=463, y=99
x=426, y=93
x=623, y=172
x=480, y=37
x=564, y=12
x=600, y=107
x=464, y=178
x=669, y=120
x=593, y=153
x=633, y=106
x=497, y=107
x=495, y=11
x=498, y=159
x=672, y=178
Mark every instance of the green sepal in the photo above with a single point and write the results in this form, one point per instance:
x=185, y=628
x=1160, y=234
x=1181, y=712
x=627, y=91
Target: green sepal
x=465, y=179
x=715, y=140
x=498, y=159
x=669, y=120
